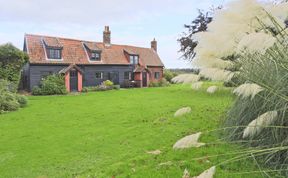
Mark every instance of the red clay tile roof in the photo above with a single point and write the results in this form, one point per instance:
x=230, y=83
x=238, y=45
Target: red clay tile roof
x=92, y=46
x=74, y=52
x=52, y=42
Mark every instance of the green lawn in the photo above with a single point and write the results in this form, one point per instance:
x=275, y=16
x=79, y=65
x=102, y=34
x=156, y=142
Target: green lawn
x=107, y=134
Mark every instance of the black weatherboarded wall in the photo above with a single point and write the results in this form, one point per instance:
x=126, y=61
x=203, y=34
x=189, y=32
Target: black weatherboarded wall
x=35, y=73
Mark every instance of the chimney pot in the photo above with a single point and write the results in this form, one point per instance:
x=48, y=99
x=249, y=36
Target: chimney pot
x=154, y=45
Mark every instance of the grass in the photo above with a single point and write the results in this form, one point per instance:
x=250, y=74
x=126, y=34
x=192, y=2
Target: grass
x=107, y=134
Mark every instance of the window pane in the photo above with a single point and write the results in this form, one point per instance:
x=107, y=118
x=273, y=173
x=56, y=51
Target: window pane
x=95, y=56
x=157, y=75
x=127, y=75
x=99, y=75
x=54, y=53
x=131, y=59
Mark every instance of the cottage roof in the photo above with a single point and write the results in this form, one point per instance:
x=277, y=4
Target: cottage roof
x=74, y=52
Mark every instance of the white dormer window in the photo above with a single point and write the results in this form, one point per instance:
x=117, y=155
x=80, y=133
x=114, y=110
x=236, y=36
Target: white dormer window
x=134, y=59
x=95, y=56
x=54, y=53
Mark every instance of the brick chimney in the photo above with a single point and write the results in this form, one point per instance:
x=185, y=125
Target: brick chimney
x=107, y=37
x=154, y=45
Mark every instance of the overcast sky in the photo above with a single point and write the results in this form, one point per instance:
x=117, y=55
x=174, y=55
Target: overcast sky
x=132, y=22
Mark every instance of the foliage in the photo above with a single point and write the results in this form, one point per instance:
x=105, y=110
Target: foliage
x=184, y=70
x=264, y=116
x=9, y=100
x=51, y=85
x=162, y=83
x=22, y=100
x=11, y=62
x=187, y=43
x=104, y=86
x=108, y=83
x=235, y=28
x=105, y=134
x=168, y=75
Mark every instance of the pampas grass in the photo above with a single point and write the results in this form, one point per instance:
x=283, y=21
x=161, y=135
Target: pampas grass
x=256, y=43
x=196, y=85
x=216, y=74
x=182, y=111
x=245, y=120
x=248, y=90
x=257, y=125
x=209, y=173
x=186, y=78
x=186, y=174
x=212, y=89
x=155, y=152
x=188, y=142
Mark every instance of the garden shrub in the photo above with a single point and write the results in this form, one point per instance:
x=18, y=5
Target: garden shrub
x=9, y=100
x=108, y=83
x=169, y=75
x=51, y=85
x=11, y=62
x=116, y=87
x=22, y=100
x=104, y=86
x=162, y=83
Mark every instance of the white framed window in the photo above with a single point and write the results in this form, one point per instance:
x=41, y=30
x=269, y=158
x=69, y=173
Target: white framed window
x=54, y=53
x=99, y=75
x=95, y=56
x=134, y=59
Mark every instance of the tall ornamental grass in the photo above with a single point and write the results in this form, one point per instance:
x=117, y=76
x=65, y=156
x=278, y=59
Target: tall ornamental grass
x=261, y=121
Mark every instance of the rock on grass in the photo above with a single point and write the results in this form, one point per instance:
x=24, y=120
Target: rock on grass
x=182, y=111
x=188, y=142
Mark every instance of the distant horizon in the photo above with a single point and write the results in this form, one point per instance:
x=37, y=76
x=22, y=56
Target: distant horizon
x=128, y=27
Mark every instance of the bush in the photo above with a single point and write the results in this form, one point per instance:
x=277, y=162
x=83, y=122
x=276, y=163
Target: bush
x=162, y=83
x=108, y=83
x=22, y=100
x=168, y=75
x=154, y=84
x=101, y=87
x=11, y=62
x=8, y=102
x=51, y=85
x=116, y=87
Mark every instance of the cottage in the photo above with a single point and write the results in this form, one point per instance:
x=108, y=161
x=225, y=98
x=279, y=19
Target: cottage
x=87, y=63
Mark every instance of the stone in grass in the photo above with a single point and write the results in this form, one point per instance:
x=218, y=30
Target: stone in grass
x=155, y=152
x=212, y=89
x=209, y=173
x=182, y=111
x=188, y=142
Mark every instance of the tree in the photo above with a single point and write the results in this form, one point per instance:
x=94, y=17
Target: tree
x=200, y=24
x=11, y=62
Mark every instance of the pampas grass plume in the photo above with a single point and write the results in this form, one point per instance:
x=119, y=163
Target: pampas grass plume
x=248, y=90
x=196, y=85
x=212, y=89
x=257, y=125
